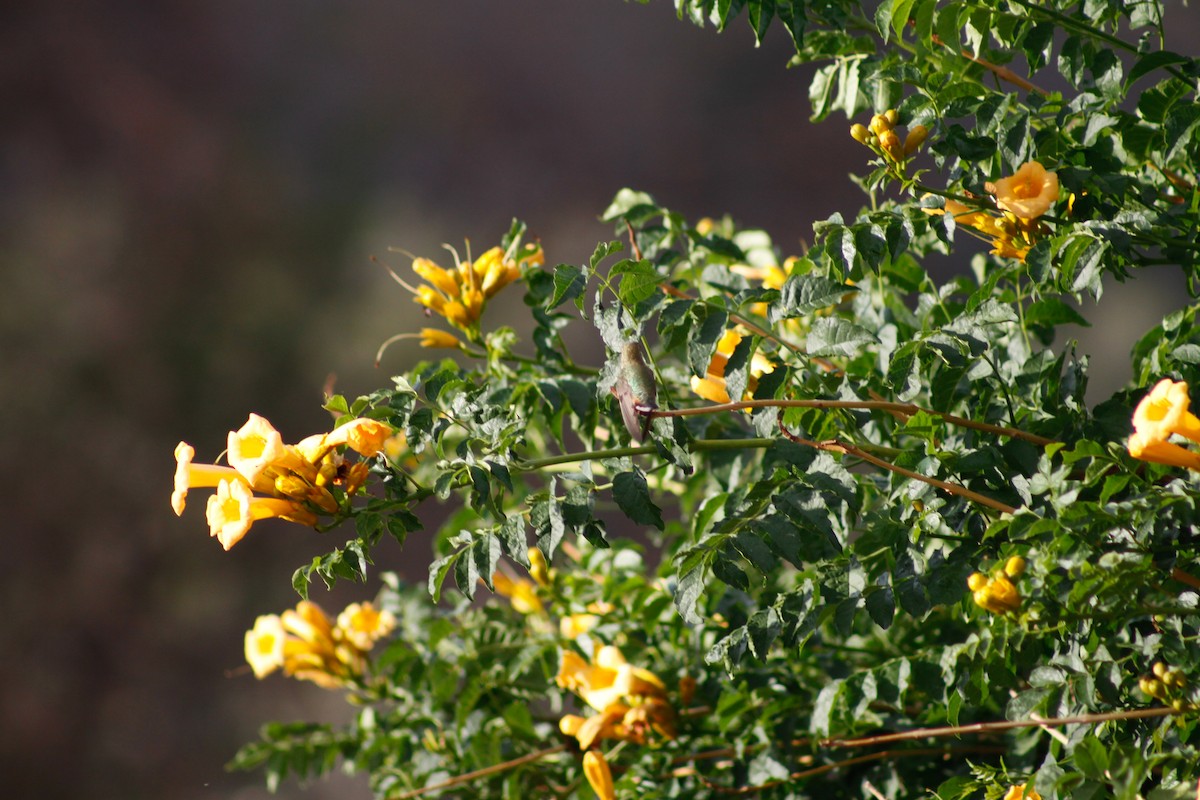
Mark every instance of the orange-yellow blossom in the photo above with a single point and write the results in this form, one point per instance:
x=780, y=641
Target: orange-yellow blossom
x=362, y=625
x=1156, y=451
x=996, y=594
x=1002, y=234
x=233, y=509
x=598, y=775
x=307, y=645
x=257, y=448
x=520, y=592
x=264, y=645
x=1029, y=193
x=363, y=435
x=1166, y=410
x=460, y=294
x=608, y=679
x=194, y=476
x=1019, y=791
x=312, y=651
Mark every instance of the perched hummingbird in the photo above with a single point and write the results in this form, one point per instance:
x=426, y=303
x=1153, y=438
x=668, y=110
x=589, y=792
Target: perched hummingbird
x=635, y=390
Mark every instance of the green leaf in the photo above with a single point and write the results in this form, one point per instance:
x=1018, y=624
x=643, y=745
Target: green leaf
x=633, y=498
x=1052, y=312
x=803, y=294
x=639, y=281
x=833, y=336
x=1155, y=60
x=569, y=283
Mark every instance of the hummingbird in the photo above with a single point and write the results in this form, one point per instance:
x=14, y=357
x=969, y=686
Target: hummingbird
x=635, y=390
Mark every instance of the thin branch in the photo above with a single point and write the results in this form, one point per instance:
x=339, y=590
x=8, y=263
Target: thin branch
x=835, y=446
x=1006, y=725
x=467, y=777
x=861, y=405
x=808, y=773
x=1184, y=577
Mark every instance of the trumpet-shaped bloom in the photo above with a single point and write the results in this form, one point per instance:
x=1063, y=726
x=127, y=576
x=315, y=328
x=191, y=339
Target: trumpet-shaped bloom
x=1164, y=411
x=520, y=592
x=257, y=448
x=264, y=645
x=363, y=625
x=364, y=436
x=191, y=476
x=233, y=509
x=1007, y=238
x=1029, y=193
x=1156, y=451
x=608, y=679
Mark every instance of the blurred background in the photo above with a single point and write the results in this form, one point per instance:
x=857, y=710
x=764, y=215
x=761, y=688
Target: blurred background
x=190, y=196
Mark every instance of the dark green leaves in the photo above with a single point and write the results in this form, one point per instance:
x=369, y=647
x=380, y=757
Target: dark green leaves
x=633, y=498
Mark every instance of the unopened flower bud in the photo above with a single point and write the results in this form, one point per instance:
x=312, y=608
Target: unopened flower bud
x=598, y=775
x=1014, y=567
x=879, y=125
x=432, y=337
x=915, y=138
x=890, y=142
x=570, y=724
x=1159, y=669
x=1151, y=686
x=977, y=581
x=539, y=570
x=892, y=116
x=859, y=133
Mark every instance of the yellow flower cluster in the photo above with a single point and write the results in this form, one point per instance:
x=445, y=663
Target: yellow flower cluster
x=295, y=479
x=997, y=593
x=1019, y=791
x=1022, y=199
x=632, y=701
x=881, y=136
x=712, y=386
x=1164, y=411
x=460, y=294
x=307, y=645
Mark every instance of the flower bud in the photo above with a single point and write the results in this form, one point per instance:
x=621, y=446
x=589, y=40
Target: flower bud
x=859, y=133
x=1014, y=567
x=432, y=337
x=539, y=570
x=1159, y=669
x=977, y=581
x=916, y=137
x=892, y=116
x=570, y=724
x=879, y=124
x=890, y=142
x=598, y=775
x=1151, y=687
